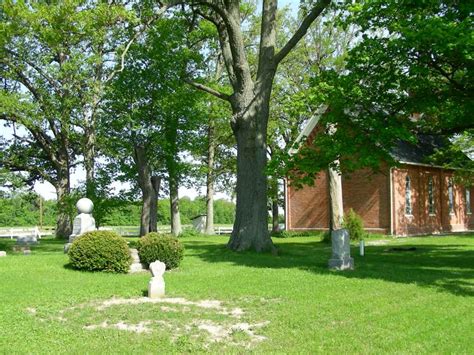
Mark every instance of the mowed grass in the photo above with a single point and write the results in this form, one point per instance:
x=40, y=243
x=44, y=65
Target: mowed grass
x=394, y=301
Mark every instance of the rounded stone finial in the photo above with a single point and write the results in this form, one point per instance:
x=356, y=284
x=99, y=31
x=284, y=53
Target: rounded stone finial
x=157, y=268
x=84, y=205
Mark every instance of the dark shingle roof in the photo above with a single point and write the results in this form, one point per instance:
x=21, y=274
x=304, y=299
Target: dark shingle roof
x=419, y=152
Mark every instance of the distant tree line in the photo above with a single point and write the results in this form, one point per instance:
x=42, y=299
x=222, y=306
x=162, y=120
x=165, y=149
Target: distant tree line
x=24, y=210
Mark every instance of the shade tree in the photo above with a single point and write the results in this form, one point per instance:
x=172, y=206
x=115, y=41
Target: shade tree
x=249, y=100
x=56, y=59
x=152, y=116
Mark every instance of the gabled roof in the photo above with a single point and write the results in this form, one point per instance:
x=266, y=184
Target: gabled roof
x=307, y=129
x=419, y=152
x=403, y=152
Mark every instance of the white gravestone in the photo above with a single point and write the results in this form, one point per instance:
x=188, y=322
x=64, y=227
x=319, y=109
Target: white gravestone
x=156, y=286
x=3, y=253
x=84, y=222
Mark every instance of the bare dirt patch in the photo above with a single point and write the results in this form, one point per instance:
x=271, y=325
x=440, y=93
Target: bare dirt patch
x=209, y=320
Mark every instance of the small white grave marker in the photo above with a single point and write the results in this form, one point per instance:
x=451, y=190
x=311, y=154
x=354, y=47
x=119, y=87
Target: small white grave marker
x=156, y=286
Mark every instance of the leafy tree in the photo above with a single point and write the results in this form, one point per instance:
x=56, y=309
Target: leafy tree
x=250, y=97
x=23, y=209
x=152, y=116
x=56, y=60
x=410, y=74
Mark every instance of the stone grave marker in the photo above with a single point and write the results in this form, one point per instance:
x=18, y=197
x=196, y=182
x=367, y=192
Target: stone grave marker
x=84, y=222
x=156, y=286
x=341, y=251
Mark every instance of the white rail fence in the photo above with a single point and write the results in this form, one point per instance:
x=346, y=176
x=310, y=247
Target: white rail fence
x=23, y=232
x=125, y=231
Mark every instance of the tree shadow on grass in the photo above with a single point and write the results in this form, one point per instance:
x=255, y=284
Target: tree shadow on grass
x=46, y=245
x=448, y=268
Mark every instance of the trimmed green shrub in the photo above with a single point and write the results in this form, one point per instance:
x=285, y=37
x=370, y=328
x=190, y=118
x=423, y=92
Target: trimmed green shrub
x=354, y=224
x=164, y=248
x=100, y=251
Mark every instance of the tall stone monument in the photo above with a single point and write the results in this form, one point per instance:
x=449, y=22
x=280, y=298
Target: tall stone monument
x=84, y=222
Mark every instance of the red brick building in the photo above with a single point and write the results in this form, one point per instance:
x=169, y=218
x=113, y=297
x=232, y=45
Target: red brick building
x=413, y=198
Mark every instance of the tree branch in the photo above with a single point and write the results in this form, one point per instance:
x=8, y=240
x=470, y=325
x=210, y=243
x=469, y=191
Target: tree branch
x=137, y=34
x=224, y=44
x=267, y=36
x=209, y=90
x=301, y=31
x=35, y=67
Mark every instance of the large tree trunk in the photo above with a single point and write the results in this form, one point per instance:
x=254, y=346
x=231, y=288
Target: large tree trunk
x=210, y=181
x=174, y=208
x=251, y=220
x=250, y=129
x=63, y=221
x=147, y=188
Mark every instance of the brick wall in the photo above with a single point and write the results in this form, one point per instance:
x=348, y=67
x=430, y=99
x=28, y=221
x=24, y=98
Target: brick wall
x=366, y=193
x=307, y=208
x=369, y=195
x=421, y=221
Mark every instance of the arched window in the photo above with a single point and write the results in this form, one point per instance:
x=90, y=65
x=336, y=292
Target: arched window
x=408, y=195
x=468, y=201
x=450, y=196
x=431, y=209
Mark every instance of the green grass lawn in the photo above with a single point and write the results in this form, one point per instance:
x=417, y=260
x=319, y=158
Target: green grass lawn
x=404, y=302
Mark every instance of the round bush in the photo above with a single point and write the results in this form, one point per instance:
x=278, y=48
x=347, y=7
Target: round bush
x=164, y=248
x=100, y=251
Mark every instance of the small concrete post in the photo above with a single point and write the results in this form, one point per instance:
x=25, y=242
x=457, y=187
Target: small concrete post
x=362, y=247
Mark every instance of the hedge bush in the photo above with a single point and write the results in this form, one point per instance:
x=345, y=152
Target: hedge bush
x=354, y=224
x=100, y=251
x=164, y=248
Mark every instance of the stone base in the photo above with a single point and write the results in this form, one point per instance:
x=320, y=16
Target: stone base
x=66, y=247
x=137, y=267
x=156, y=287
x=26, y=240
x=341, y=264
